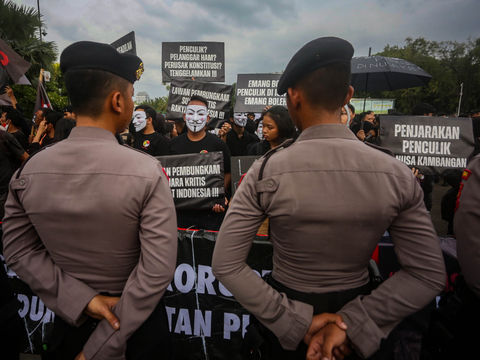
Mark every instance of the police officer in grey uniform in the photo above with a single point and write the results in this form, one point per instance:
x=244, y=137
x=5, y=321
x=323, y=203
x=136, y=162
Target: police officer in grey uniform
x=467, y=229
x=329, y=199
x=467, y=225
x=87, y=217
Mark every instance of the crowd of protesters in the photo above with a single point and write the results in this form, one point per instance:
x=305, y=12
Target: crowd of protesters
x=243, y=134
x=130, y=241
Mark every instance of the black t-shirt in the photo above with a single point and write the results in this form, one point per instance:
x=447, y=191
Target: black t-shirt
x=153, y=144
x=238, y=146
x=250, y=127
x=22, y=139
x=183, y=145
x=10, y=144
x=260, y=148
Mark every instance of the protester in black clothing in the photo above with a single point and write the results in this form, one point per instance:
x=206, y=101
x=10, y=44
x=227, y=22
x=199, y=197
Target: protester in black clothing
x=428, y=183
x=369, y=133
x=13, y=125
x=277, y=127
x=145, y=137
x=24, y=125
x=170, y=130
x=46, y=132
x=12, y=155
x=68, y=112
x=159, y=124
x=180, y=126
x=237, y=138
x=196, y=141
x=250, y=126
x=423, y=109
x=63, y=128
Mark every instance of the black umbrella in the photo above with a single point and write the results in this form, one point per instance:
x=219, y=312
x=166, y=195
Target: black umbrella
x=379, y=73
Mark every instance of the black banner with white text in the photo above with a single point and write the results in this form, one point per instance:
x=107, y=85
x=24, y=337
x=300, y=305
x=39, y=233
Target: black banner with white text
x=255, y=91
x=434, y=145
x=203, y=61
x=196, y=180
x=126, y=44
x=219, y=97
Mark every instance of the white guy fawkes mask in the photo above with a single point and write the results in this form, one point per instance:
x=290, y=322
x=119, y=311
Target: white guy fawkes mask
x=240, y=119
x=196, y=117
x=139, y=120
x=260, y=130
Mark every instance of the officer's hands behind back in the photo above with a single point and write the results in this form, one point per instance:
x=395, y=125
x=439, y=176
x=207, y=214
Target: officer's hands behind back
x=323, y=339
x=100, y=307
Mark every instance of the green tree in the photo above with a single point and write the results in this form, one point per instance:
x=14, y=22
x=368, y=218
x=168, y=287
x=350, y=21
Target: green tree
x=449, y=62
x=159, y=104
x=19, y=28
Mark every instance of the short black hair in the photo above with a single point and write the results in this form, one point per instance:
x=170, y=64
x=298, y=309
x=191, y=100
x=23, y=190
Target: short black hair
x=422, y=109
x=63, y=129
x=251, y=114
x=199, y=98
x=14, y=116
x=351, y=107
x=149, y=111
x=168, y=127
x=327, y=87
x=53, y=118
x=280, y=115
x=159, y=123
x=88, y=89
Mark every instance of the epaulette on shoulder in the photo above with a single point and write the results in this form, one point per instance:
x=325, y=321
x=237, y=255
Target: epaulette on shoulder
x=31, y=156
x=268, y=155
x=382, y=149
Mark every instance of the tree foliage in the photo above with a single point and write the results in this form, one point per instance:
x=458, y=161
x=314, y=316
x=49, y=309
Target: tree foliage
x=159, y=104
x=19, y=28
x=451, y=63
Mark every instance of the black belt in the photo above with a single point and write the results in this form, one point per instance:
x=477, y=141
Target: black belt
x=330, y=302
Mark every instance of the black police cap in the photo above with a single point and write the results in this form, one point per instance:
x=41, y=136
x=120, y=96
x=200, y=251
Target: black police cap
x=97, y=56
x=314, y=55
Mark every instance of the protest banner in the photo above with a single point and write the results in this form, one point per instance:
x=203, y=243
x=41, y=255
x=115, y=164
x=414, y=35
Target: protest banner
x=204, y=318
x=240, y=166
x=218, y=95
x=126, y=44
x=204, y=61
x=255, y=91
x=433, y=145
x=196, y=180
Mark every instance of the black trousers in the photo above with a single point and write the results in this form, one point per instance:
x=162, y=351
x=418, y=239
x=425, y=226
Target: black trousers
x=150, y=341
x=327, y=302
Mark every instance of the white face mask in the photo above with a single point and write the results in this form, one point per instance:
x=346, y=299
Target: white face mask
x=240, y=119
x=260, y=130
x=139, y=120
x=196, y=117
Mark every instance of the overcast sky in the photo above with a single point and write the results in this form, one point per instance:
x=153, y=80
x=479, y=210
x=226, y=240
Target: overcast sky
x=260, y=36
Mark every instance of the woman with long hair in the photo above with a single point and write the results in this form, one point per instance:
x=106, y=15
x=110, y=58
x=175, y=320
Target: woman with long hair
x=277, y=127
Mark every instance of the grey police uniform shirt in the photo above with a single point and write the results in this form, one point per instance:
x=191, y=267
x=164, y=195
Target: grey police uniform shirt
x=88, y=216
x=330, y=198
x=467, y=226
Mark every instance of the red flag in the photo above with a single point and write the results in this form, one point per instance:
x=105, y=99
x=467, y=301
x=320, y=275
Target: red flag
x=42, y=100
x=15, y=65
